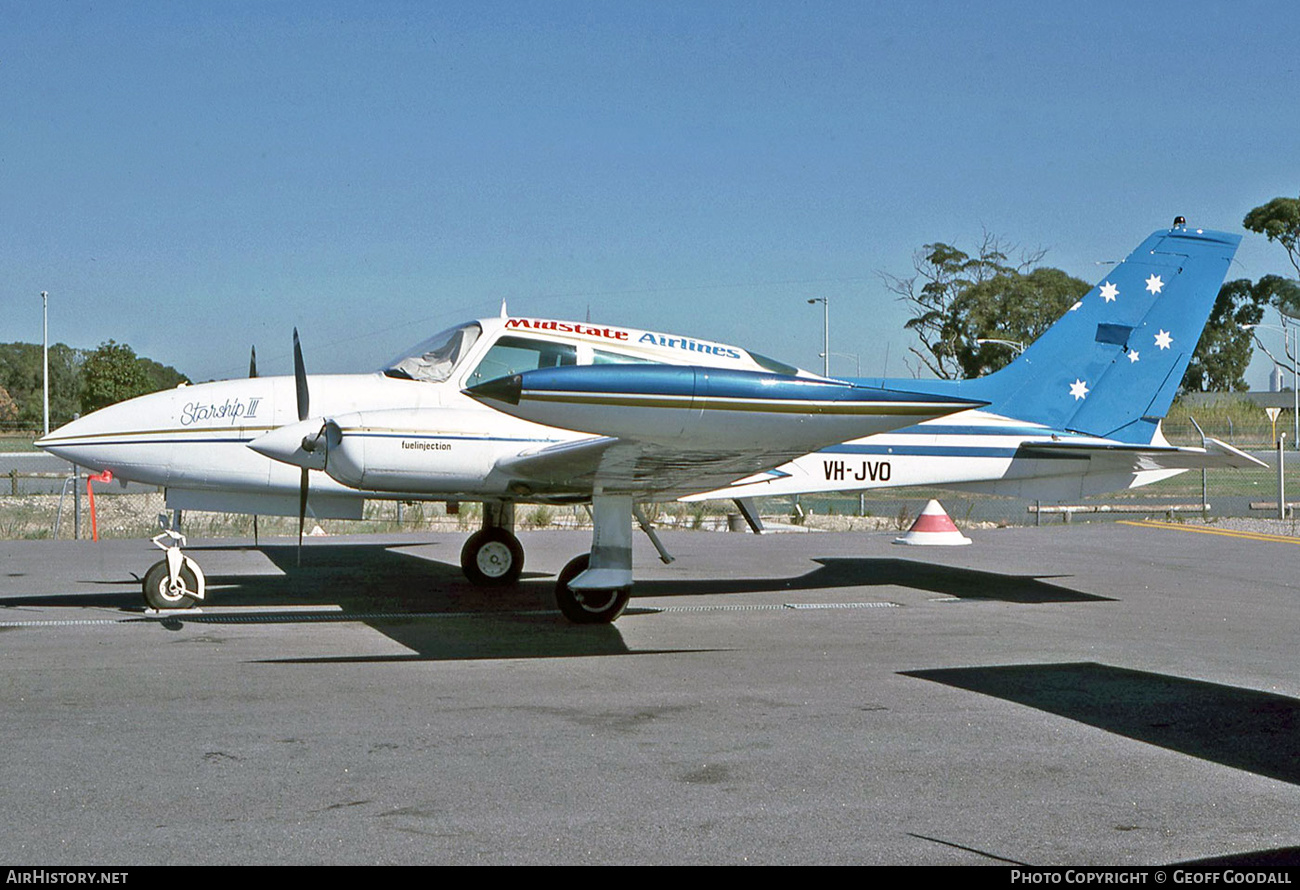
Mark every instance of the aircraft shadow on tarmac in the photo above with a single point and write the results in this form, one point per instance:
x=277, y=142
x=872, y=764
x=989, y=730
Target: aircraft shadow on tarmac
x=424, y=604
x=1241, y=728
x=837, y=572
x=364, y=579
x=398, y=578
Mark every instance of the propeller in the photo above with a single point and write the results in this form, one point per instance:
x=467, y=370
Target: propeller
x=328, y=436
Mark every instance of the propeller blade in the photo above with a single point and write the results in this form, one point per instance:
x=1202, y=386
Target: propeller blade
x=304, y=407
x=300, y=379
x=302, y=510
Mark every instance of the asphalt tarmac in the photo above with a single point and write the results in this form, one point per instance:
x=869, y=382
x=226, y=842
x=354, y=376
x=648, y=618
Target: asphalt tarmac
x=1093, y=694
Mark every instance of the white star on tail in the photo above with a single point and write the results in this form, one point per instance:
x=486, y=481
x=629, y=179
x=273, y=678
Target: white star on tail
x=1109, y=292
x=1154, y=284
x=1163, y=339
x=1133, y=355
x=1079, y=390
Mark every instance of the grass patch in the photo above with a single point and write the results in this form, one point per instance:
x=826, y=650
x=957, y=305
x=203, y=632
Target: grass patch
x=1237, y=421
x=18, y=442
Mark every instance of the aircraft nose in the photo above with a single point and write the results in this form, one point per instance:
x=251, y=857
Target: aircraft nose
x=68, y=441
x=123, y=438
x=86, y=440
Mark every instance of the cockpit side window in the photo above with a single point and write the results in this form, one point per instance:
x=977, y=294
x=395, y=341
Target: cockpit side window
x=434, y=359
x=601, y=357
x=514, y=355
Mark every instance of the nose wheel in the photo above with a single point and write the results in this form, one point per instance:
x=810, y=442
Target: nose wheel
x=492, y=557
x=161, y=593
x=176, y=582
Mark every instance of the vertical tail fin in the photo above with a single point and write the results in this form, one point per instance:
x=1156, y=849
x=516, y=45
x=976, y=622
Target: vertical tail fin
x=1112, y=364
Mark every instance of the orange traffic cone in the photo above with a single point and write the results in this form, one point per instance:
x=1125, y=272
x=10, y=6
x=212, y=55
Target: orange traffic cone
x=933, y=526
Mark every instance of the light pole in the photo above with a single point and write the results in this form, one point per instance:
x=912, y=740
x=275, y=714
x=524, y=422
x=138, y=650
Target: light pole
x=826, y=333
x=45, y=357
x=1289, y=347
x=1291, y=353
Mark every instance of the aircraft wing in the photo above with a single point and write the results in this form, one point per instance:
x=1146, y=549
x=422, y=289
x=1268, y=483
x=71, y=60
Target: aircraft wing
x=1216, y=455
x=668, y=430
x=642, y=468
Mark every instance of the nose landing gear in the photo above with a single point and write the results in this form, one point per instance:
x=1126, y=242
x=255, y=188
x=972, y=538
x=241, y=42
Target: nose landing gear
x=175, y=582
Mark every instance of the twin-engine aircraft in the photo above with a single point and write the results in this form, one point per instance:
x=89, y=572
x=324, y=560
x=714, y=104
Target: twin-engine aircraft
x=514, y=410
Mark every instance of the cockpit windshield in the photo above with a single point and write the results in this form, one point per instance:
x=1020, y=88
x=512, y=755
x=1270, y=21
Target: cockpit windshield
x=434, y=359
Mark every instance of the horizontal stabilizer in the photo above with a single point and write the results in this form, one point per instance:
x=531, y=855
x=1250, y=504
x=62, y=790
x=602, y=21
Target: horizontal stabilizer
x=1216, y=455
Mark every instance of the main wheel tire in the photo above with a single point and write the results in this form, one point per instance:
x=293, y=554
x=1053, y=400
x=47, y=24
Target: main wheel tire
x=158, y=592
x=587, y=606
x=492, y=557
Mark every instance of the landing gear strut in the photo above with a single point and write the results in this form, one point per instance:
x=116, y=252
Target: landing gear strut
x=493, y=556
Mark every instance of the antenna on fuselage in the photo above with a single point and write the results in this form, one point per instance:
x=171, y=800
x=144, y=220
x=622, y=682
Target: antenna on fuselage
x=504, y=312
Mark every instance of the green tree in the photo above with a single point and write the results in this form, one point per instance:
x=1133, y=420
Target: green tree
x=66, y=384
x=943, y=275
x=112, y=374
x=1012, y=306
x=160, y=376
x=1279, y=220
x=8, y=409
x=21, y=374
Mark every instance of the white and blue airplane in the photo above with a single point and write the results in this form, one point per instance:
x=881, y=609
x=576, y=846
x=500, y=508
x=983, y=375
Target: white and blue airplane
x=515, y=410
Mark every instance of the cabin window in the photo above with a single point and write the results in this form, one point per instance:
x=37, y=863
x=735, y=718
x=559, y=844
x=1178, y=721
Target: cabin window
x=514, y=355
x=601, y=357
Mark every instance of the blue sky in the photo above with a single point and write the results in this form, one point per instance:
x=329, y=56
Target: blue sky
x=196, y=178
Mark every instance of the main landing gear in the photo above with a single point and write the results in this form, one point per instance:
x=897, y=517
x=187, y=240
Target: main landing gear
x=493, y=556
x=592, y=589
x=599, y=606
